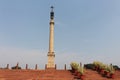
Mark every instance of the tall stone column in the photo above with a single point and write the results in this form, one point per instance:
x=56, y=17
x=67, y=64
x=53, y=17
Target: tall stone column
x=51, y=54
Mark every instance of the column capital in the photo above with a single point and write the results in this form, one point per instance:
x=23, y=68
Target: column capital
x=51, y=54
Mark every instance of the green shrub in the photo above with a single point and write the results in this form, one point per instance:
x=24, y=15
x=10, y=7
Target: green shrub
x=89, y=66
x=74, y=65
x=16, y=67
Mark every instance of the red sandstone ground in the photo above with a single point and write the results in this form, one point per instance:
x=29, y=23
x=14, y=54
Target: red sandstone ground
x=50, y=75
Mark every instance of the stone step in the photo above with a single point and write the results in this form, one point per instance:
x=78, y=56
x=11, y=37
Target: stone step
x=50, y=75
x=35, y=75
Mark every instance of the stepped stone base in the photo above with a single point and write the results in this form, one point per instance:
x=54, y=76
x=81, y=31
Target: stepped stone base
x=50, y=74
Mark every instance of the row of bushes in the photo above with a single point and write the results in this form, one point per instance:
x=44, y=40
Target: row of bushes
x=91, y=66
x=103, y=69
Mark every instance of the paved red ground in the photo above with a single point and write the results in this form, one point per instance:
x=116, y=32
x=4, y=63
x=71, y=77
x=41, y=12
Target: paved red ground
x=94, y=75
x=50, y=75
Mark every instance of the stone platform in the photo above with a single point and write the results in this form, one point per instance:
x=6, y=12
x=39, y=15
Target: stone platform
x=50, y=74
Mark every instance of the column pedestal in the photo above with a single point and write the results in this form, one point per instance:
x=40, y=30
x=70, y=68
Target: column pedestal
x=51, y=57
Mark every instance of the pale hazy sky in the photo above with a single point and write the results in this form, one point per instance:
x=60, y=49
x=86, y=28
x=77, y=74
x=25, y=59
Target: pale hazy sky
x=85, y=31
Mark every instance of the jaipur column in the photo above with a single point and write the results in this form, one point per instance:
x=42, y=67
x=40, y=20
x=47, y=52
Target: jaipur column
x=51, y=54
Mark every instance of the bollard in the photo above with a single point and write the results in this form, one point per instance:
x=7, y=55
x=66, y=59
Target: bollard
x=55, y=66
x=36, y=67
x=17, y=65
x=26, y=66
x=7, y=66
x=80, y=64
x=45, y=66
x=65, y=66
